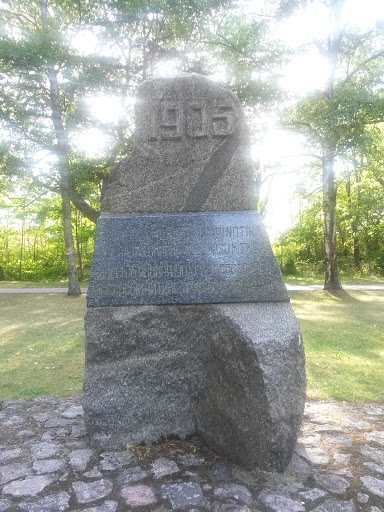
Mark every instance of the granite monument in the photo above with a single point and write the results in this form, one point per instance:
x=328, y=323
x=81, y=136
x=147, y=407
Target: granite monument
x=189, y=328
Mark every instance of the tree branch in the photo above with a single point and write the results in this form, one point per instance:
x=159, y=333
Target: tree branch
x=379, y=179
x=36, y=181
x=320, y=187
x=82, y=205
x=17, y=15
x=364, y=63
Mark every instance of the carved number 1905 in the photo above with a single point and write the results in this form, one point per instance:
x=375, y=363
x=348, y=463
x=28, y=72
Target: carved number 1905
x=174, y=121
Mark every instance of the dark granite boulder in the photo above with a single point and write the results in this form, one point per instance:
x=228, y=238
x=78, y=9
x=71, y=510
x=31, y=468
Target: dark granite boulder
x=232, y=372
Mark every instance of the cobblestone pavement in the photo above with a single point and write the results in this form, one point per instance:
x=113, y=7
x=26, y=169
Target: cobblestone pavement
x=47, y=465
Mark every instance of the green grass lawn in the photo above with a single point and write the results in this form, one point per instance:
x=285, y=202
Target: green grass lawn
x=312, y=280
x=343, y=336
x=41, y=344
x=38, y=284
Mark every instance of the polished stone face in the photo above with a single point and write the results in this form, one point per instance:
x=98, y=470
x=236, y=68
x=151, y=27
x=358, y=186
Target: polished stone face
x=189, y=328
x=186, y=258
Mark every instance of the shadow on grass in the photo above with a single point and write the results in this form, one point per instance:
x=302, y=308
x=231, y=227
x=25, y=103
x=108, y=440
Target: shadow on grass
x=342, y=294
x=342, y=334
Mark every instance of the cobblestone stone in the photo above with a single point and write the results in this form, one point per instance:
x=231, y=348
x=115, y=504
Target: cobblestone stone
x=48, y=466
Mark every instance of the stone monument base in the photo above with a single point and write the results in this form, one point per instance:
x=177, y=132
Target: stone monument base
x=232, y=373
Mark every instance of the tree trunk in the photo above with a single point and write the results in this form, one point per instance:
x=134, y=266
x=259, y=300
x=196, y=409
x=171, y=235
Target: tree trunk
x=62, y=149
x=332, y=281
x=78, y=247
x=356, y=239
x=2, y=274
x=356, y=245
x=258, y=183
x=62, y=153
x=82, y=205
x=73, y=281
x=21, y=248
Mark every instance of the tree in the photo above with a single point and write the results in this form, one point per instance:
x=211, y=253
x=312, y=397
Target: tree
x=47, y=82
x=335, y=119
x=39, y=106
x=360, y=227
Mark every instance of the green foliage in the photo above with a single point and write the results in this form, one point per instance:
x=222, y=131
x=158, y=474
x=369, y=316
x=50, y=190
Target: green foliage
x=360, y=229
x=133, y=39
x=244, y=46
x=301, y=248
x=337, y=124
x=32, y=244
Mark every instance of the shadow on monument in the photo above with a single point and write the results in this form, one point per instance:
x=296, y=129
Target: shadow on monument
x=224, y=357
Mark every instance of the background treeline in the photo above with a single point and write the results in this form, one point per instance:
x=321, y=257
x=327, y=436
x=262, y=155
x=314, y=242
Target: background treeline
x=360, y=231
x=60, y=59
x=32, y=246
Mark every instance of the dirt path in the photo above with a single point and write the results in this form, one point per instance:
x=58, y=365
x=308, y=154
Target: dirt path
x=294, y=288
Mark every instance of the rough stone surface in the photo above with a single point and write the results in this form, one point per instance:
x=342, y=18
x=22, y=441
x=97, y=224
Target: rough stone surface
x=344, y=442
x=114, y=460
x=333, y=483
x=45, y=450
x=279, y=503
x=164, y=467
x=336, y=506
x=373, y=453
x=191, y=460
x=28, y=487
x=184, y=495
x=362, y=498
x=233, y=373
x=131, y=475
x=58, y=422
x=191, y=148
x=14, y=420
x=375, y=411
x=299, y=485
x=375, y=467
x=10, y=455
x=220, y=471
x=80, y=458
x=374, y=485
x=219, y=507
x=342, y=459
x=235, y=491
x=312, y=495
x=299, y=465
x=74, y=411
x=48, y=465
x=315, y=456
x=93, y=473
x=11, y=472
x=138, y=495
x=376, y=436
x=86, y=492
x=53, y=503
x=261, y=354
x=107, y=506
